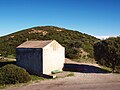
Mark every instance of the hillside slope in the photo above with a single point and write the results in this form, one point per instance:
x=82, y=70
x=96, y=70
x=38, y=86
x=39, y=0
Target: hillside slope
x=74, y=41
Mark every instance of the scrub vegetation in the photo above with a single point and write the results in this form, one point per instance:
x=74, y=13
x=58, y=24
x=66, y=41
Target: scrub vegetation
x=107, y=53
x=75, y=42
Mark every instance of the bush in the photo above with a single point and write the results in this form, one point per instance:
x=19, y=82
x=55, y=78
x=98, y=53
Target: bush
x=12, y=74
x=107, y=52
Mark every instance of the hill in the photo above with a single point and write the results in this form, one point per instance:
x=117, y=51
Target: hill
x=77, y=44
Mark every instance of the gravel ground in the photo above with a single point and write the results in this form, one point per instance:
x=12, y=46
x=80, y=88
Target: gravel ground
x=88, y=80
x=80, y=81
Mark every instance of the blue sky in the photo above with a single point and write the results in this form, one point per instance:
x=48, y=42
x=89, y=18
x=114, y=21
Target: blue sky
x=94, y=17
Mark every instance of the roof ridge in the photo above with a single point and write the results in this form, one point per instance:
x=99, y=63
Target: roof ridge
x=35, y=44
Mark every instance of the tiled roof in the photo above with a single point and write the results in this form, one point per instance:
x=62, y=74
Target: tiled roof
x=35, y=44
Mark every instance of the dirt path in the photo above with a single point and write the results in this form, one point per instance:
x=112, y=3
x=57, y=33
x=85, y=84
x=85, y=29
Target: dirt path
x=88, y=80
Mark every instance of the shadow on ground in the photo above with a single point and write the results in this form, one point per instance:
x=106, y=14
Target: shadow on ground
x=5, y=63
x=84, y=68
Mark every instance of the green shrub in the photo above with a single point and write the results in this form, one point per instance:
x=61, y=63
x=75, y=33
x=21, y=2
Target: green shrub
x=11, y=74
x=107, y=52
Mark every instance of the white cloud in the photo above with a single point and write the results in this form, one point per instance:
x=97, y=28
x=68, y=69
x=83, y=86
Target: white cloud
x=102, y=37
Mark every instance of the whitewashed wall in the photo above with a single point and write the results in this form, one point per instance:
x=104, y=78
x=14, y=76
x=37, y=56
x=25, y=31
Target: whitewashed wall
x=53, y=57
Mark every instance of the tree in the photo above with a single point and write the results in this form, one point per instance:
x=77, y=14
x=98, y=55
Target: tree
x=107, y=52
